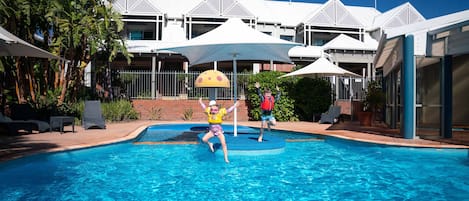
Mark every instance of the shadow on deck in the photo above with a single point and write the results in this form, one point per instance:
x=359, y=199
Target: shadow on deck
x=460, y=136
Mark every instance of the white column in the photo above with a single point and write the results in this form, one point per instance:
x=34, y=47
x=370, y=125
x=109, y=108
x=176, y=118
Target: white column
x=364, y=77
x=186, y=78
x=153, y=77
x=256, y=68
x=185, y=67
x=337, y=82
x=368, y=67
x=235, y=96
x=212, y=92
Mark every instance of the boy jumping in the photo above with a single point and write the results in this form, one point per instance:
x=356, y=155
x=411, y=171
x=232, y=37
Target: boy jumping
x=267, y=105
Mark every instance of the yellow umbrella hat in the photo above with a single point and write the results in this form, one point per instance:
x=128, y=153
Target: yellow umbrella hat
x=212, y=79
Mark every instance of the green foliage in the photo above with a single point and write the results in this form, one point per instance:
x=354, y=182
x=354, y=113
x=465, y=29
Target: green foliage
x=300, y=97
x=284, y=108
x=144, y=93
x=188, y=112
x=126, y=78
x=120, y=110
x=374, y=96
x=312, y=96
x=76, y=30
x=156, y=113
x=47, y=105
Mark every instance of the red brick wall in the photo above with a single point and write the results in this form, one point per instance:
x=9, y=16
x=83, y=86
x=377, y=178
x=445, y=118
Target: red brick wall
x=345, y=107
x=280, y=67
x=174, y=109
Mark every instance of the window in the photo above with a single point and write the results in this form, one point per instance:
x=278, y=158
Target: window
x=286, y=37
x=268, y=33
x=135, y=35
x=148, y=35
x=142, y=30
x=141, y=35
x=319, y=42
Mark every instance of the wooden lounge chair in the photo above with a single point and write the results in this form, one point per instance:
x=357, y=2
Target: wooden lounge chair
x=331, y=116
x=92, y=115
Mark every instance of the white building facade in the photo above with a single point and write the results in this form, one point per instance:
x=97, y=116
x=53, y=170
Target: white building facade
x=348, y=34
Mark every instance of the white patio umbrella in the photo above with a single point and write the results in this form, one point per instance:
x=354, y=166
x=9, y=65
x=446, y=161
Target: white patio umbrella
x=234, y=40
x=321, y=68
x=11, y=45
x=324, y=68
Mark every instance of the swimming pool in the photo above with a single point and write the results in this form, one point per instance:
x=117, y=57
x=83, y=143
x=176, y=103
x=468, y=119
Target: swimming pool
x=328, y=169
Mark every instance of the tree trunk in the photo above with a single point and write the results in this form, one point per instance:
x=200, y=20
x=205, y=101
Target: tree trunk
x=31, y=81
x=62, y=82
x=19, y=85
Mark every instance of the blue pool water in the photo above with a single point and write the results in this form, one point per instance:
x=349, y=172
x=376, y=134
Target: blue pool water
x=329, y=169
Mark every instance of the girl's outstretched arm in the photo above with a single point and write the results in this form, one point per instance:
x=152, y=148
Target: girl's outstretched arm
x=202, y=103
x=259, y=93
x=233, y=107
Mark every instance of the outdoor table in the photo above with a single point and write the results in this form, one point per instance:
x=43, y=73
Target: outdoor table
x=60, y=121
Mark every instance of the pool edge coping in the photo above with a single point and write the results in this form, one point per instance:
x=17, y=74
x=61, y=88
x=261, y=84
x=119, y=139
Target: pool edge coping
x=135, y=133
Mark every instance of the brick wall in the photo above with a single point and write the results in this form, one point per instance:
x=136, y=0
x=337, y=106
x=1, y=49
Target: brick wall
x=345, y=107
x=174, y=109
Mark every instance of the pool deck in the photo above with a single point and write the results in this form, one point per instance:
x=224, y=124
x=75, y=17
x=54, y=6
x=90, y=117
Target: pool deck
x=12, y=147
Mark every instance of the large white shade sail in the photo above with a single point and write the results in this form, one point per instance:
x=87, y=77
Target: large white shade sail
x=233, y=40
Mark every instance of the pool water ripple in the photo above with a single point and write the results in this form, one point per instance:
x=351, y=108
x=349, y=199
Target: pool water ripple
x=327, y=170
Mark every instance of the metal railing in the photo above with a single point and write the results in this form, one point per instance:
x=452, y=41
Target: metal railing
x=179, y=85
x=353, y=88
x=174, y=85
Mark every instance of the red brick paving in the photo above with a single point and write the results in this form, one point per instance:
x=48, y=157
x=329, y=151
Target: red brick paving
x=17, y=146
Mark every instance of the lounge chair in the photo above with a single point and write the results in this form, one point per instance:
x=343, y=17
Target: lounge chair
x=13, y=127
x=25, y=112
x=331, y=116
x=92, y=115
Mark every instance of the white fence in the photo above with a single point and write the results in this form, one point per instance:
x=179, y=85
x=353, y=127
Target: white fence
x=141, y=84
x=350, y=88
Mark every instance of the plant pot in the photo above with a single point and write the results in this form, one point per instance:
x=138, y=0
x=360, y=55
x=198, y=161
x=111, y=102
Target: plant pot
x=365, y=118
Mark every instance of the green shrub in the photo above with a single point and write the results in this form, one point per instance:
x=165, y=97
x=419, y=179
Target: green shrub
x=120, y=110
x=284, y=108
x=187, y=116
x=312, y=96
x=300, y=98
x=47, y=105
x=156, y=113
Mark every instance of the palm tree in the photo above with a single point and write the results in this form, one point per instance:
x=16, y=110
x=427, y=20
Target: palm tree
x=22, y=19
x=83, y=27
x=73, y=29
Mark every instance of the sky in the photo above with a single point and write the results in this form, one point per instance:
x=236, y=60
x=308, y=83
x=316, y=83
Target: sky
x=428, y=8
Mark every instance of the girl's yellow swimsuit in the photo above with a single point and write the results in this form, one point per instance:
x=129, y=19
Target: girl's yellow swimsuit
x=215, y=118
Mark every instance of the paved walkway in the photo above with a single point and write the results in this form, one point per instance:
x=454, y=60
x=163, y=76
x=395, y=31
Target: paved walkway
x=17, y=146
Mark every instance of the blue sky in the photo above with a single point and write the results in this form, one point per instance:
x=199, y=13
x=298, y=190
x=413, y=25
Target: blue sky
x=428, y=8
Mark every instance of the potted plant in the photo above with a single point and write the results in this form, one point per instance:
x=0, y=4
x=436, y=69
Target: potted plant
x=374, y=99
